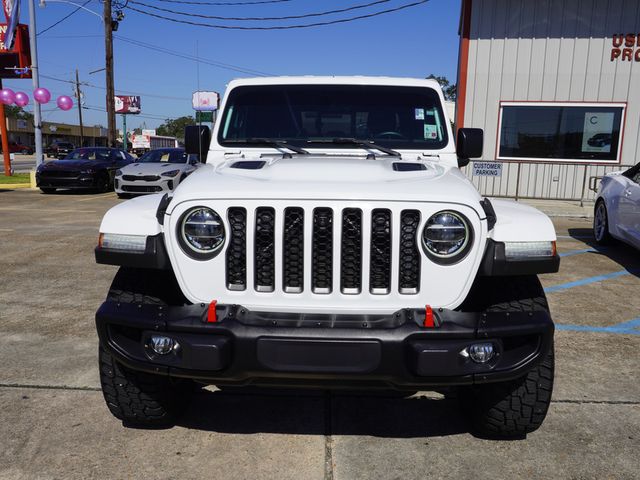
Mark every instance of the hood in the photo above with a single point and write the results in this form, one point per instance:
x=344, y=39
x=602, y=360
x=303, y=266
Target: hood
x=73, y=164
x=151, y=168
x=329, y=177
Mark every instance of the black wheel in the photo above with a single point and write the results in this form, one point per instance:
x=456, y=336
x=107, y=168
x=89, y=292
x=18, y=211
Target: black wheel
x=103, y=183
x=123, y=195
x=47, y=190
x=514, y=408
x=601, y=224
x=139, y=398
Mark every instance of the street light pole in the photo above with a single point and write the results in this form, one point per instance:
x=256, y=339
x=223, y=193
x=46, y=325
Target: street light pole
x=108, y=47
x=35, y=74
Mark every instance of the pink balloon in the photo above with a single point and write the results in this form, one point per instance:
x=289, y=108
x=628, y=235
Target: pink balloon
x=22, y=99
x=64, y=103
x=7, y=96
x=42, y=95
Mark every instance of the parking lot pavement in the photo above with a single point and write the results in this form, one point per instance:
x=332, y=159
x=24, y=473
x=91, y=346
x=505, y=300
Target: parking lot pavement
x=54, y=424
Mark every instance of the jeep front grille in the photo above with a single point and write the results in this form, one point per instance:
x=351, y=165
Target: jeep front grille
x=336, y=244
x=264, y=251
x=293, y=250
x=351, y=252
x=237, y=250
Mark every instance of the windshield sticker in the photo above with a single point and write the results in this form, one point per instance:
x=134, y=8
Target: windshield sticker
x=419, y=113
x=430, y=131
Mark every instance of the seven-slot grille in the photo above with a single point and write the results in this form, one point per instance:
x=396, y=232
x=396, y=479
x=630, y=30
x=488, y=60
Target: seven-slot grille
x=359, y=241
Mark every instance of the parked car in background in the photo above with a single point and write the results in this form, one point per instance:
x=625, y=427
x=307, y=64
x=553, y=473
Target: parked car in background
x=159, y=170
x=84, y=168
x=15, y=147
x=617, y=210
x=59, y=149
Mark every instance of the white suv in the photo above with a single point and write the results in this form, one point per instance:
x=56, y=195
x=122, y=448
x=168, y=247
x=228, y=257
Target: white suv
x=330, y=240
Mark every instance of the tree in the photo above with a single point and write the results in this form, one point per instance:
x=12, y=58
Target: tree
x=13, y=111
x=174, y=127
x=449, y=89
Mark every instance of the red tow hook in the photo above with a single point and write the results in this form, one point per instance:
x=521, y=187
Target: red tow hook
x=211, y=312
x=428, y=317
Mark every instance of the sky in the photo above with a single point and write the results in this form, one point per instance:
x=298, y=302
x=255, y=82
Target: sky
x=414, y=42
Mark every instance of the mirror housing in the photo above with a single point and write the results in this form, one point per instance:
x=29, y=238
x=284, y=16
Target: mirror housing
x=196, y=140
x=469, y=145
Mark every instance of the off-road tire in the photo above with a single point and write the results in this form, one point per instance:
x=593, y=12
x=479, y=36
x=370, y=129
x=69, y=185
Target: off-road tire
x=605, y=238
x=515, y=408
x=47, y=191
x=140, y=398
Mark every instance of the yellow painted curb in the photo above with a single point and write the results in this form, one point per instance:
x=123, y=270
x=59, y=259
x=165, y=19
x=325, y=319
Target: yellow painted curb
x=32, y=179
x=7, y=186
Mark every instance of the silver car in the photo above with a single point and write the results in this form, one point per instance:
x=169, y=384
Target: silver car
x=156, y=171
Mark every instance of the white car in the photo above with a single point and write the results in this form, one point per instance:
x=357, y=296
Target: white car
x=159, y=170
x=330, y=241
x=617, y=208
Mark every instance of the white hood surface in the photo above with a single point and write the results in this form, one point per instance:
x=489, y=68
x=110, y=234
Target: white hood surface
x=326, y=177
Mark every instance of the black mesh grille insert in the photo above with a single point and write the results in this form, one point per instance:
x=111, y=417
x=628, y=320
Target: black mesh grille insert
x=351, y=255
x=293, y=250
x=380, y=268
x=237, y=250
x=322, y=250
x=264, y=249
x=409, y=254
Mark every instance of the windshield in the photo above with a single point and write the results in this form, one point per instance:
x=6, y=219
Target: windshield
x=301, y=115
x=89, y=154
x=65, y=145
x=166, y=156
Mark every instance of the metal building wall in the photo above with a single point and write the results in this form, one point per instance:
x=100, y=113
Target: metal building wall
x=548, y=50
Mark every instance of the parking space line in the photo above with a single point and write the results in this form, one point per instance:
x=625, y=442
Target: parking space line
x=586, y=281
x=575, y=236
x=632, y=327
x=94, y=197
x=570, y=253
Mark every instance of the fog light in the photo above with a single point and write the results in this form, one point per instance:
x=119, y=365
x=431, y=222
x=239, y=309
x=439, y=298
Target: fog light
x=162, y=345
x=481, y=352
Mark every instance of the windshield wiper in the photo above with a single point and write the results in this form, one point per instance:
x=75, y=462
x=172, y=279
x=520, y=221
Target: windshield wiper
x=361, y=143
x=270, y=143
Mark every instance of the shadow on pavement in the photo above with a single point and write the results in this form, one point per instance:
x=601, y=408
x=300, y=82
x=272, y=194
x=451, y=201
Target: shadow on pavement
x=318, y=413
x=621, y=253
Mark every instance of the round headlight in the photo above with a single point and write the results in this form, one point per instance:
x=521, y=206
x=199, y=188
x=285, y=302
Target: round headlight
x=447, y=237
x=201, y=233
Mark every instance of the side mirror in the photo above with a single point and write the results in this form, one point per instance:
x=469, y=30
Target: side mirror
x=469, y=145
x=196, y=140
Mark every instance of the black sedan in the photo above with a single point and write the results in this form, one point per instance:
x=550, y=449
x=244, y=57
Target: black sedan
x=83, y=168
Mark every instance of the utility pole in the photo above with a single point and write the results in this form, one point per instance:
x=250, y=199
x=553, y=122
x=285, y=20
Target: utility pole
x=79, y=100
x=108, y=47
x=35, y=74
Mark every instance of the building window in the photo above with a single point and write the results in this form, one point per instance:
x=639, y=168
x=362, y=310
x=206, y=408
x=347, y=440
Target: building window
x=561, y=132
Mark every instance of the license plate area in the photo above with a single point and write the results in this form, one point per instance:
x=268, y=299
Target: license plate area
x=318, y=356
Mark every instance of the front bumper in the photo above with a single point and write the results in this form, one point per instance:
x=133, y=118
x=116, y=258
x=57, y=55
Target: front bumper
x=82, y=181
x=326, y=351
x=141, y=187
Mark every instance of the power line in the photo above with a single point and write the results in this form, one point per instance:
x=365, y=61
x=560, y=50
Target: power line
x=225, y=4
x=255, y=19
x=213, y=63
x=64, y=18
x=124, y=92
x=281, y=27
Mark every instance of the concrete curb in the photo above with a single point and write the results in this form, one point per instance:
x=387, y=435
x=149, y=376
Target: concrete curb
x=10, y=186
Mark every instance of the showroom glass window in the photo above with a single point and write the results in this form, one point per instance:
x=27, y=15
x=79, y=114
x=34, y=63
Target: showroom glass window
x=561, y=132
x=393, y=116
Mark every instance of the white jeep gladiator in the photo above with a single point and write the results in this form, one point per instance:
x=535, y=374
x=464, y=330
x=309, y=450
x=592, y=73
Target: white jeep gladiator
x=330, y=241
